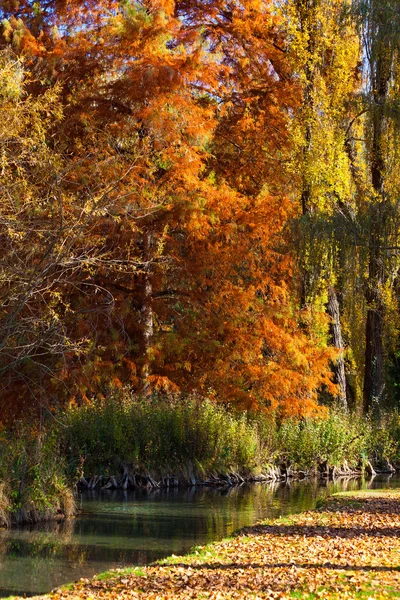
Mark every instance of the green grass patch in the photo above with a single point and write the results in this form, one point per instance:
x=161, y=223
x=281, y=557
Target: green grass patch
x=389, y=493
x=116, y=573
x=198, y=553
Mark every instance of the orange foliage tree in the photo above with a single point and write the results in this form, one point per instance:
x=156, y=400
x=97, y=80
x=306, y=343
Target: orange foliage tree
x=233, y=328
x=173, y=267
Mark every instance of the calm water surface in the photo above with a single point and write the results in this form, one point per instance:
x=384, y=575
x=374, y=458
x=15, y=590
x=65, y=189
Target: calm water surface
x=116, y=529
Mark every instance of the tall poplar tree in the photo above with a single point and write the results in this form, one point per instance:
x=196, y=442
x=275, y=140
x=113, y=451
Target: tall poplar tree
x=380, y=22
x=324, y=50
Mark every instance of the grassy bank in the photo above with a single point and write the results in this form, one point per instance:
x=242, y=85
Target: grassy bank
x=192, y=437
x=33, y=482
x=349, y=548
x=127, y=441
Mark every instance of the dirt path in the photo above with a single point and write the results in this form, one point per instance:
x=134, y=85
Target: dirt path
x=350, y=548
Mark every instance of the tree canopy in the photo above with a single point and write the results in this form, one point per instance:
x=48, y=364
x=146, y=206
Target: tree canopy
x=199, y=196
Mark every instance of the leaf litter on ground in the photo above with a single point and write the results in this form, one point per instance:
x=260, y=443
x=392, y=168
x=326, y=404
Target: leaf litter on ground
x=348, y=548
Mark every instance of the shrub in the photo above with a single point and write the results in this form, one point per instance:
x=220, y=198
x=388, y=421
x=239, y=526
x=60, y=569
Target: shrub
x=384, y=438
x=33, y=485
x=339, y=437
x=164, y=434
x=160, y=433
x=172, y=435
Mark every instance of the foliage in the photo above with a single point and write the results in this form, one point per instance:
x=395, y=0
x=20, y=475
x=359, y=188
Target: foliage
x=166, y=434
x=384, y=442
x=32, y=474
x=332, y=440
x=185, y=187
x=161, y=434
x=168, y=269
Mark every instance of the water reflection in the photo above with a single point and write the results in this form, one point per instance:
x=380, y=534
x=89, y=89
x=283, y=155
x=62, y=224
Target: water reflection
x=118, y=528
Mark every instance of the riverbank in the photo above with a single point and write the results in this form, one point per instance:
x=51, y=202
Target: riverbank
x=34, y=485
x=128, y=442
x=348, y=548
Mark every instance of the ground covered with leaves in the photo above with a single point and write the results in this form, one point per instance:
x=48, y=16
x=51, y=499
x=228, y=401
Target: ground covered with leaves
x=349, y=548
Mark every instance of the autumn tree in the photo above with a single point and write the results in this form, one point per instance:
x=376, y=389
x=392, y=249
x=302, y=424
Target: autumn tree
x=324, y=50
x=379, y=27
x=132, y=146
x=52, y=238
x=30, y=241
x=173, y=269
x=228, y=333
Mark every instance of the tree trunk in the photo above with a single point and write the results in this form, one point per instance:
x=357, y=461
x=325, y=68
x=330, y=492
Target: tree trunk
x=305, y=13
x=305, y=268
x=336, y=332
x=306, y=189
x=374, y=382
x=147, y=317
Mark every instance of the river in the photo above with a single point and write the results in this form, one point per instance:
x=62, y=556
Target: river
x=115, y=529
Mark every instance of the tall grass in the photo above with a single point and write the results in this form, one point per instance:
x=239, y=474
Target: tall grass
x=33, y=484
x=162, y=435
x=333, y=440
